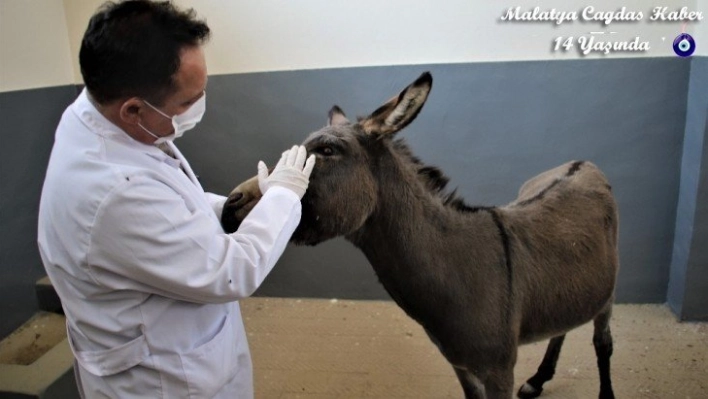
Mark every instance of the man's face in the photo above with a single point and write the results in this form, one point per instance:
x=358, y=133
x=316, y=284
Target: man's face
x=191, y=81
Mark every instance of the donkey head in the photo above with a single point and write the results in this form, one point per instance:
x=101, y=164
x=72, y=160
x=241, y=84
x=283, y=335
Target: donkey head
x=344, y=189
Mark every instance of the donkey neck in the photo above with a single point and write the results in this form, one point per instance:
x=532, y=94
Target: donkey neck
x=413, y=240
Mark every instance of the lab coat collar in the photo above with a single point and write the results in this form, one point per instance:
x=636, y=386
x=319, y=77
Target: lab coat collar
x=100, y=125
x=181, y=160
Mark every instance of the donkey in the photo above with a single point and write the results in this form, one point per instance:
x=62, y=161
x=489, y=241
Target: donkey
x=480, y=280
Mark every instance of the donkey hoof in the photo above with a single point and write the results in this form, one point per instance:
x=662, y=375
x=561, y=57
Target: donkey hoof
x=529, y=391
x=607, y=394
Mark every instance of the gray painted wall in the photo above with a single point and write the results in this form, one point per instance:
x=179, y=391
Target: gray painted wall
x=688, y=282
x=695, y=304
x=29, y=118
x=489, y=126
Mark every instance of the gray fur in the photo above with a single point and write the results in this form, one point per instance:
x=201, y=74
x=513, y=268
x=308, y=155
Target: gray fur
x=480, y=280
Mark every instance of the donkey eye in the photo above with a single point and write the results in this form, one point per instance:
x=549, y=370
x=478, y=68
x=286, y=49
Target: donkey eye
x=325, y=150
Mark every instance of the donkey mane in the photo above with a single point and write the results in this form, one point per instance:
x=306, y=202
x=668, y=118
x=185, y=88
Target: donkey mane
x=434, y=180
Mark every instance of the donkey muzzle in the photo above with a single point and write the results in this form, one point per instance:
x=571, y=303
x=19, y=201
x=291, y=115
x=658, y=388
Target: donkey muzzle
x=239, y=203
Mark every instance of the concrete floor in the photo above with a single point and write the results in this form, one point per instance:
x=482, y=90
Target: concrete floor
x=332, y=349
x=317, y=349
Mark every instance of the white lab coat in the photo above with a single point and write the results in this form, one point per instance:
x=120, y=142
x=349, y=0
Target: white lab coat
x=147, y=277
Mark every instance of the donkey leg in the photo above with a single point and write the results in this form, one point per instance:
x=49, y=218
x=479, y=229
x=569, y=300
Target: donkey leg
x=500, y=383
x=534, y=386
x=471, y=385
x=602, y=340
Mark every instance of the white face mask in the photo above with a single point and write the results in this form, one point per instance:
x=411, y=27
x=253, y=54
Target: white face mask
x=182, y=122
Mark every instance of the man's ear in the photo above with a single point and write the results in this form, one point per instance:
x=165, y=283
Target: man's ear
x=131, y=111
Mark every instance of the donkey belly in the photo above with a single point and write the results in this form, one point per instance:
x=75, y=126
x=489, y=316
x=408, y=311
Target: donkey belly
x=562, y=307
x=535, y=331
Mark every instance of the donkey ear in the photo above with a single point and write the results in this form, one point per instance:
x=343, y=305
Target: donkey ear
x=399, y=111
x=336, y=117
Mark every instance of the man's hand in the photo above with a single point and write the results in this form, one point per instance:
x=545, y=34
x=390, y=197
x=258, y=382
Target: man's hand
x=291, y=172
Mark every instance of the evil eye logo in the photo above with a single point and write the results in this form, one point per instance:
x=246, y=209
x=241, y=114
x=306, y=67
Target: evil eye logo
x=684, y=45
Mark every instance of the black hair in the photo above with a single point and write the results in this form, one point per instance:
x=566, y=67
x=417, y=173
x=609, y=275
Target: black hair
x=132, y=48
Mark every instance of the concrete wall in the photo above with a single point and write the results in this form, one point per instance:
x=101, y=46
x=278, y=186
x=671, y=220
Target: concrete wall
x=36, y=84
x=272, y=35
x=34, y=45
x=689, y=267
x=29, y=119
x=490, y=126
x=275, y=35
x=504, y=106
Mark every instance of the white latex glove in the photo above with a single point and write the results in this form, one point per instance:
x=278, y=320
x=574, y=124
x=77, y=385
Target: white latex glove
x=291, y=172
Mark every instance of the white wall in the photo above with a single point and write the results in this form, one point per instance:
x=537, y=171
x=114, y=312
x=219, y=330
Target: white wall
x=271, y=35
x=78, y=13
x=281, y=35
x=702, y=30
x=34, y=45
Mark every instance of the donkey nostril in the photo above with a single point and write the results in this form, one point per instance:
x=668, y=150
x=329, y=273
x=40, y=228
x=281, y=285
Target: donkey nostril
x=235, y=198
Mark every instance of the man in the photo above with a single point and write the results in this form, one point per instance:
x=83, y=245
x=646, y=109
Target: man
x=148, y=279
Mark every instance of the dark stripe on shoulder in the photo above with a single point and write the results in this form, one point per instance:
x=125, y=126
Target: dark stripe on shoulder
x=574, y=168
x=506, y=244
x=494, y=212
x=541, y=194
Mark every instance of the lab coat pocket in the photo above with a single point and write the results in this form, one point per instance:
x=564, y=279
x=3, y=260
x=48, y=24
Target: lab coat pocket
x=111, y=361
x=213, y=364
